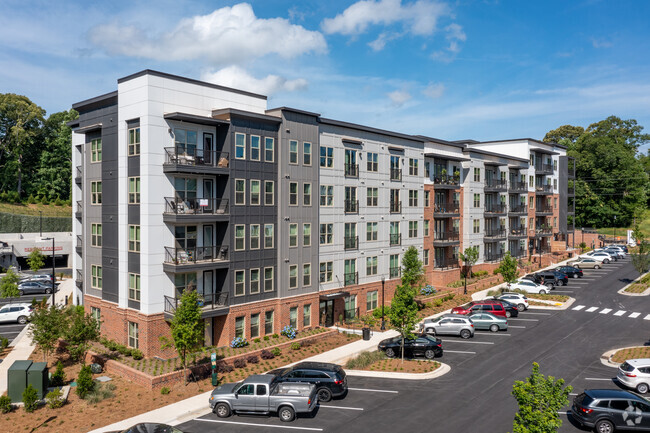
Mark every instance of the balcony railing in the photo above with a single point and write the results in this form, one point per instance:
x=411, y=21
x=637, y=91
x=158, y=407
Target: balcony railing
x=446, y=208
x=446, y=236
x=518, y=186
x=182, y=256
x=570, y=227
x=518, y=252
x=196, y=206
x=520, y=208
x=351, y=242
x=543, y=230
x=79, y=210
x=540, y=189
x=544, y=168
x=518, y=231
x=196, y=157
x=351, y=170
x=396, y=174
x=496, y=185
x=495, y=233
x=394, y=272
x=571, y=207
x=445, y=179
x=351, y=206
x=207, y=301
x=571, y=190
x=79, y=175
x=544, y=209
x=449, y=263
x=80, y=244
x=493, y=257
x=396, y=206
x=495, y=208
x=79, y=279
x=350, y=278
x=395, y=239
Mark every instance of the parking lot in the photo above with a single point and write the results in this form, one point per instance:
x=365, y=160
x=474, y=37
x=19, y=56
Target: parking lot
x=11, y=330
x=475, y=395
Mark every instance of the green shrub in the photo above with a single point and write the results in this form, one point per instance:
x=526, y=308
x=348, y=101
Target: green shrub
x=58, y=202
x=3, y=196
x=438, y=302
x=85, y=383
x=275, y=336
x=4, y=343
x=164, y=390
x=44, y=200
x=30, y=398
x=365, y=359
x=31, y=199
x=257, y=340
x=54, y=399
x=137, y=354
x=276, y=351
x=5, y=404
x=296, y=345
x=58, y=377
x=266, y=338
x=101, y=392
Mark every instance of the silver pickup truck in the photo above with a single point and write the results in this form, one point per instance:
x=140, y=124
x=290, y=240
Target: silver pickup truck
x=262, y=393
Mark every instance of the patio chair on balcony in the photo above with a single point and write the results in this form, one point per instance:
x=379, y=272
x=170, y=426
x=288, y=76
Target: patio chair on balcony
x=223, y=253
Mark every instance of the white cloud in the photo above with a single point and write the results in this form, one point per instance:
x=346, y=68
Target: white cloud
x=399, y=97
x=238, y=78
x=454, y=34
x=601, y=43
x=434, y=90
x=227, y=35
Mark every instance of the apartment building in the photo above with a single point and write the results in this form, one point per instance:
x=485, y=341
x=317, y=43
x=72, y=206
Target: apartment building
x=280, y=216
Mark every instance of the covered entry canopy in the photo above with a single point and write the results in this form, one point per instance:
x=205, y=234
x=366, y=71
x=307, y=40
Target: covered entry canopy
x=332, y=296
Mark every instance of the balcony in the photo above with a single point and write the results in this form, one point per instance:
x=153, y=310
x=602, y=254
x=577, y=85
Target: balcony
x=570, y=227
x=518, y=209
x=396, y=174
x=180, y=160
x=351, y=242
x=446, y=181
x=351, y=206
x=80, y=245
x=394, y=272
x=395, y=239
x=446, y=238
x=493, y=257
x=571, y=207
x=571, y=167
x=350, y=278
x=78, y=213
x=544, y=210
x=352, y=170
x=496, y=185
x=571, y=191
x=194, y=209
x=212, y=304
x=543, y=168
x=396, y=206
x=447, y=263
x=79, y=279
x=495, y=208
x=518, y=187
x=493, y=234
x=78, y=175
x=195, y=258
x=543, y=231
x=544, y=189
x=446, y=210
x=518, y=233
x=518, y=252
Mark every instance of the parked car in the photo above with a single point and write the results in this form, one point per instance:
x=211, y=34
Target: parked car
x=570, y=271
x=423, y=345
x=32, y=287
x=263, y=393
x=545, y=278
x=489, y=322
x=491, y=306
x=449, y=324
x=518, y=299
x=511, y=309
x=635, y=374
x=611, y=409
x=150, y=428
x=37, y=277
x=330, y=379
x=530, y=287
x=587, y=263
x=15, y=313
x=618, y=254
x=622, y=247
x=598, y=255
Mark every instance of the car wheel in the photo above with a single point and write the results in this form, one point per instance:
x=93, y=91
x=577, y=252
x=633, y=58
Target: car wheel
x=20, y=293
x=574, y=275
x=606, y=261
x=22, y=320
x=642, y=388
x=48, y=291
x=564, y=283
x=596, y=267
x=604, y=426
x=324, y=394
x=222, y=410
x=521, y=307
x=286, y=414
x=429, y=354
x=465, y=334
x=508, y=314
x=390, y=353
x=431, y=331
x=550, y=286
x=542, y=292
x=494, y=328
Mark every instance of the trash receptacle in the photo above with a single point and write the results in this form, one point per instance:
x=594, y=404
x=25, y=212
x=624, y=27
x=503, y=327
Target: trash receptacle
x=37, y=376
x=17, y=380
x=366, y=333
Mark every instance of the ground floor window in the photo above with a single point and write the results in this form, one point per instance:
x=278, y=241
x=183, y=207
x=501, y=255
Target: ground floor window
x=306, y=315
x=96, y=314
x=255, y=325
x=134, y=335
x=350, y=307
x=371, y=300
x=240, y=322
x=293, y=317
x=268, y=322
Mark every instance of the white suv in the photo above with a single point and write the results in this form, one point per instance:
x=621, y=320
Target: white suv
x=530, y=287
x=518, y=299
x=15, y=313
x=635, y=374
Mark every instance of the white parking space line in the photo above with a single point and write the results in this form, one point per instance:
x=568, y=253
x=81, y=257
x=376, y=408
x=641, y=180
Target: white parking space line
x=634, y=315
x=492, y=334
x=620, y=313
x=514, y=326
x=562, y=291
x=467, y=342
x=647, y=317
x=373, y=390
x=525, y=320
x=459, y=351
x=258, y=425
x=566, y=412
x=605, y=310
x=591, y=310
x=539, y=314
x=597, y=378
x=341, y=407
x=578, y=308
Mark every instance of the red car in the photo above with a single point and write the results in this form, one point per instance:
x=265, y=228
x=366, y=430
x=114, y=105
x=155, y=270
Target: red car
x=487, y=306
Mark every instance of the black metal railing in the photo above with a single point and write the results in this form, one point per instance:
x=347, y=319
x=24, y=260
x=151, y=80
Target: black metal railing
x=395, y=239
x=446, y=179
x=79, y=210
x=446, y=264
x=444, y=208
x=520, y=208
x=496, y=184
x=543, y=230
x=517, y=253
x=571, y=207
x=351, y=170
x=191, y=156
x=571, y=190
x=491, y=232
x=570, y=227
x=80, y=276
x=80, y=244
x=495, y=208
x=396, y=174
x=79, y=174
x=351, y=242
x=394, y=272
x=543, y=188
x=350, y=278
x=544, y=168
x=396, y=206
x=182, y=256
x=518, y=186
x=451, y=235
x=351, y=206
x=518, y=231
x=196, y=206
x=207, y=301
x=493, y=257
x=544, y=209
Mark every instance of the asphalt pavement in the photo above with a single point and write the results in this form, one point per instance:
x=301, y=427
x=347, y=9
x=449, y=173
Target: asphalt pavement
x=11, y=330
x=475, y=395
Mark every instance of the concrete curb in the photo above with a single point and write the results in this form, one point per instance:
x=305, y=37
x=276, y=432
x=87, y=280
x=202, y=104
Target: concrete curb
x=606, y=358
x=440, y=371
x=645, y=293
x=559, y=307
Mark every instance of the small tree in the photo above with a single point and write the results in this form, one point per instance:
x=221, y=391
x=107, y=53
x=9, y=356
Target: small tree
x=47, y=325
x=508, y=269
x=36, y=260
x=539, y=398
x=412, y=270
x=469, y=257
x=403, y=312
x=81, y=330
x=187, y=328
x=85, y=383
x=9, y=285
x=641, y=259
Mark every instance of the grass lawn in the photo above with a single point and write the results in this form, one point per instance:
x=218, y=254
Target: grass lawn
x=33, y=209
x=644, y=226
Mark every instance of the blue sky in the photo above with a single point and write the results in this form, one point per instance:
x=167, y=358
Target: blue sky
x=484, y=70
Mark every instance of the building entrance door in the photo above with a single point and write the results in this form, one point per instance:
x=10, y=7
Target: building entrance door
x=327, y=313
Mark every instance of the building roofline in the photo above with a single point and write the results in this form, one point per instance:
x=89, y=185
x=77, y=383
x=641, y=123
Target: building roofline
x=499, y=155
x=94, y=100
x=522, y=139
x=440, y=141
x=226, y=113
x=369, y=129
x=293, y=110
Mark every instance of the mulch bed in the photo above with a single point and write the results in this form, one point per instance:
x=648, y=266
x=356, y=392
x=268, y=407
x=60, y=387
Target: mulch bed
x=633, y=353
x=556, y=298
x=409, y=366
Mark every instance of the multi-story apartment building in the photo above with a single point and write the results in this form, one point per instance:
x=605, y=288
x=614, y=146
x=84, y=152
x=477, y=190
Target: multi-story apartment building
x=279, y=217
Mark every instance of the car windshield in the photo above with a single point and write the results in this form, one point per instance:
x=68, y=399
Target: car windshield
x=626, y=366
x=466, y=306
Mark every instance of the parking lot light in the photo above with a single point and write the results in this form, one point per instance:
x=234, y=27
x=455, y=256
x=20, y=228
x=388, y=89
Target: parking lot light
x=53, y=269
x=383, y=322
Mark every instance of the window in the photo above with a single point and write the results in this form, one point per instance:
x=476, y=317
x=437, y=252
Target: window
x=185, y=142
x=240, y=281
x=413, y=229
x=371, y=265
x=240, y=237
x=240, y=191
x=413, y=198
x=326, y=157
x=425, y=257
x=134, y=238
x=240, y=323
x=427, y=169
x=371, y=231
x=326, y=195
x=476, y=226
x=531, y=202
x=326, y=272
x=555, y=164
x=134, y=287
x=269, y=149
x=477, y=200
x=555, y=222
x=255, y=236
x=269, y=235
x=427, y=198
x=268, y=322
x=240, y=146
x=293, y=235
x=426, y=227
x=293, y=152
x=293, y=193
x=372, y=195
x=268, y=279
x=531, y=181
x=254, y=281
x=477, y=174
x=255, y=327
x=293, y=317
x=326, y=234
x=531, y=223
x=255, y=192
x=554, y=183
x=306, y=315
x=371, y=300
x=306, y=194
x=134, y=190
x=373, y=162
x=96, y=150
x=134, y=141
x=306, y=274
x=96, y=192
x=96, y=314
x=350, y=306
x=96, y=277
x=306, y=234
x=293, y=276
x=413, y=167
x=394, y=265
x=306, y=153
x=134, y=335
x=255, y=148
x=269, y=187
x=96, y=235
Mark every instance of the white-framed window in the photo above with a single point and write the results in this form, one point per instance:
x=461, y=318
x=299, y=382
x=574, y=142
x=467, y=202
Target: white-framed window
x=96, y=314
x=293, y=235
x=134, y=190
x=240, y=146
x=306, y=234
x=255, y=236
x=268, y=322
x=96, y=277
x=425, y=258
x=306, y=274
x=269, y=192
x=371, y=265
x=372, y=231
x=554, y=183
x=413, y=198
x=255, y=280
x=326, y=157
x=306, y=315
x=371, y=300
x=134, y=238
x=240, y=282
x=134, y=335
x=293, y=193
x=326, y=272
x=476, y=226
x=293, y=276
x=269, y=236
x=240, y=326
x=255, y=192
x=269, y=149
x=427, y=198
x=372, y=163
x=531, y=181
x=477, y=200
x=255, y=325
x=413, y=166
x=268, y=279
x=306, y=194
x=255, y=147
x=293, y=317
x=240, y=237
x=96, y=150
x=306, y=153
x=293, y=152
x=134, y=286
x=372, y=196
x=477, y=174
x=327, y=195
x=96, y=235
x=326, y=234
x=427, y=224
x=134, y=141
x=413, y=229
x=96, y=192
x=240, y=191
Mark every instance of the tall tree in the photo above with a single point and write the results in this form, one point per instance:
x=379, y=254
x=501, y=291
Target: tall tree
x=9, y=285
x=81, y=330
x=35, y=260
x=403, y=312
x=46, y=326
x=412, y=269
x=508, y=269
x=565, y=134
x=469, y=257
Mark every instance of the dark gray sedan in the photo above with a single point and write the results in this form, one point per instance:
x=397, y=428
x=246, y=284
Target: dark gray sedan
x=489, y=322
x=33, y=287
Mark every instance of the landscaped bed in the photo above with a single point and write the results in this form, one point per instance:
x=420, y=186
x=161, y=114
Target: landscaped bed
x=556, y=298
x=377, y=361
x=640, y=286
x=631, y=353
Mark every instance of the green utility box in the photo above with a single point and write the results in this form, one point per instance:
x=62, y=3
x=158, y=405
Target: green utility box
x=37, y=376
x=17, y=380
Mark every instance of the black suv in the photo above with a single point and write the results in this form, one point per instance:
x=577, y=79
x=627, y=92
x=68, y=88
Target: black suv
x=570, y=271
x=544, y=277
x=329, y=378
x=611, y=409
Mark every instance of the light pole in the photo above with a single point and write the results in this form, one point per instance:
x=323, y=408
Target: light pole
x=383, y=322
x=53, y=269
x=614, y=228
x=539, y=245
x=40, y=225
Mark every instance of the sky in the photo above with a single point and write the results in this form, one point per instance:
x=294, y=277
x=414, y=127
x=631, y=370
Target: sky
x=480, y=69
